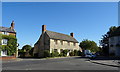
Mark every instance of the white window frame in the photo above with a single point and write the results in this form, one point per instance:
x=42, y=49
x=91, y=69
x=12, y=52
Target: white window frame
x=4, y=53
x=4, y=41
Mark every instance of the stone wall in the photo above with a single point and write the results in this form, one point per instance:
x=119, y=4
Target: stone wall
x=45, y=43
x=65, y=45
x=42, y=44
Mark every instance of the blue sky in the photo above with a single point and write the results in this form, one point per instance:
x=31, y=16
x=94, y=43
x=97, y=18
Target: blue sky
x=87, y=20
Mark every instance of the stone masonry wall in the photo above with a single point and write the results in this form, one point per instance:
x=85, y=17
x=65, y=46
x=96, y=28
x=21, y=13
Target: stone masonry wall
x=65, y=45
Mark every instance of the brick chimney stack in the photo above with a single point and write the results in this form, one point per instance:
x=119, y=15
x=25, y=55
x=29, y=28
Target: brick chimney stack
x=43, y=28
x=72, y=34
x=12, y=25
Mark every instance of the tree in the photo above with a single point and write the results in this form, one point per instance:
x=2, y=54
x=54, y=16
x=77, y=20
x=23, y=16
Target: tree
x=104, y=42
x=90, y=45
x=26, y=51
x=111, y=30
x=26, y=48
x=31, y=52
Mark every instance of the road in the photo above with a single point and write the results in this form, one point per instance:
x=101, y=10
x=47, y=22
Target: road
x=69, y=63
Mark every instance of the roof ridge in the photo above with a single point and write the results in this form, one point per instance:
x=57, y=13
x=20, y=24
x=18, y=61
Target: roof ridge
x=59, y=33
x=7, y=29
x=61, y=36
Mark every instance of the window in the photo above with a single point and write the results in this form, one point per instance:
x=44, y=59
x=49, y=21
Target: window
x=111, y=45
x=68, y=43
x=4, y=53
x=61, y=50
x=61, y=42
x=55, y=41
x=74, y=44
x=5, y=33
x=4, y=41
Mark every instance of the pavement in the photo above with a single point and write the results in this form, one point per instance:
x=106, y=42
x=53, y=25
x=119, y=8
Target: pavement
x=12, y=60
x=108, y=61
x=113, y=63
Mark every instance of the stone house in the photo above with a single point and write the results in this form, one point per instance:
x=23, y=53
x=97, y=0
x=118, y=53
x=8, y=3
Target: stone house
x=54, y=41
x=7, y=31
x=114, y=42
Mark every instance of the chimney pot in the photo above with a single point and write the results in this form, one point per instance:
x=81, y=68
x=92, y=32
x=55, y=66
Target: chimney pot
x=72, y=34
x=12, y=25
x=43, y=28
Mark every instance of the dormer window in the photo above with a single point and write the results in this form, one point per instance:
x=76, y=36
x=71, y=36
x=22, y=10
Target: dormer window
x=5, y=33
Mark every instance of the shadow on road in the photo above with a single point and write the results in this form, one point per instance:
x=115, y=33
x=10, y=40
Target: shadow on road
x=106, y=64
x=105, y=58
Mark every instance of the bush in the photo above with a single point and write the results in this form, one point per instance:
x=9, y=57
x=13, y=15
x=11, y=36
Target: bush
x=112, y=54
x=65, y=52
x=61, y=54
x=54, y=54
x=22, y=54
x=75, y=53
x=71, y=53
x=79, y=53
x=46, y=53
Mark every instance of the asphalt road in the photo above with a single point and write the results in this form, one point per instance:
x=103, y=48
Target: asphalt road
x=70, y=63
